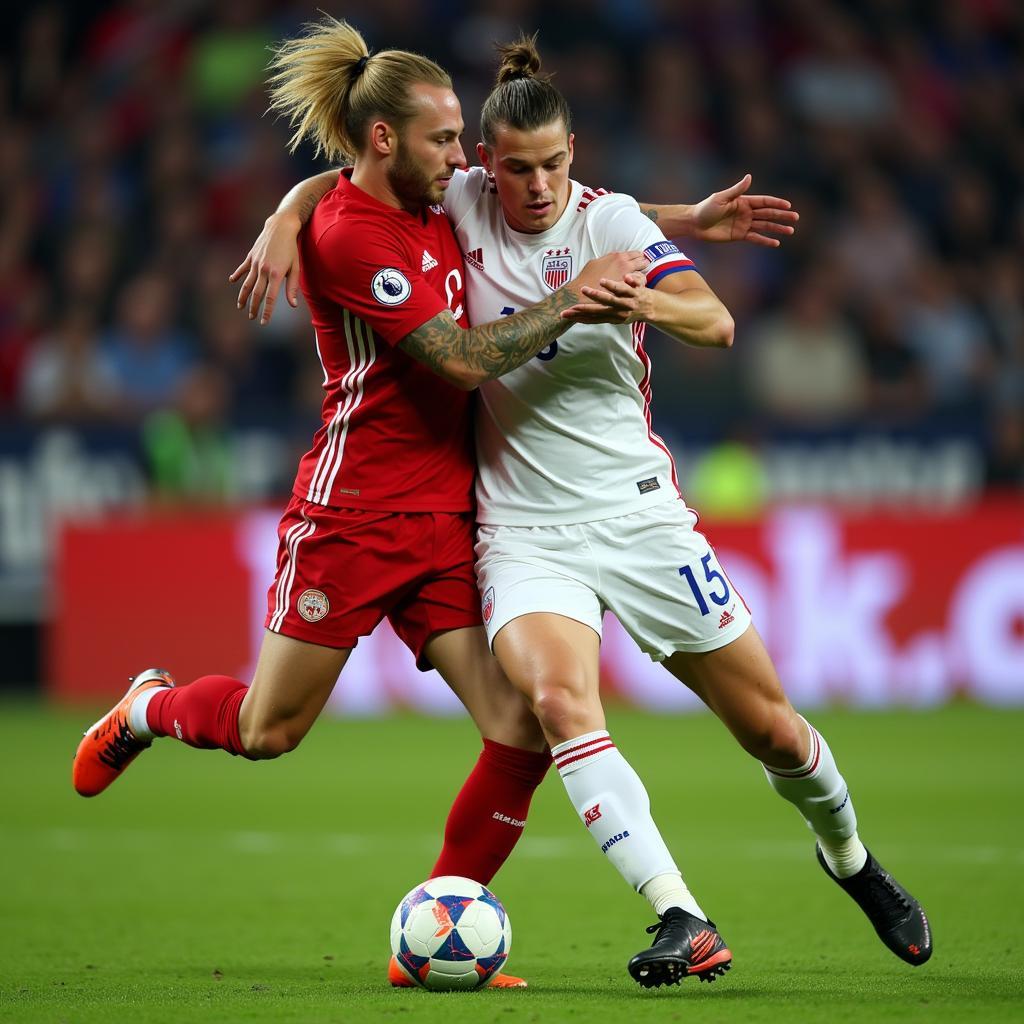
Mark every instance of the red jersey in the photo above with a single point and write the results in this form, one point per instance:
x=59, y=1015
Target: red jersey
x=395, y=436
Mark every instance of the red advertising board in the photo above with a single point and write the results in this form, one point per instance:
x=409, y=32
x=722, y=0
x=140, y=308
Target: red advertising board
x=864, y=609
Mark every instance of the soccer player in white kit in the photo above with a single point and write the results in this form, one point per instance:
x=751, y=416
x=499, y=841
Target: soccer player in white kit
x=579, y=512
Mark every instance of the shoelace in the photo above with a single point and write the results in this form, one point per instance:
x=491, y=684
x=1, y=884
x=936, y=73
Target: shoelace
x=888, y=902
x=121, y=745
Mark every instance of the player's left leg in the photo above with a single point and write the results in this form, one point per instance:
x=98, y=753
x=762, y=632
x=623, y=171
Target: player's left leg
x=490, y=811
x=739, y=683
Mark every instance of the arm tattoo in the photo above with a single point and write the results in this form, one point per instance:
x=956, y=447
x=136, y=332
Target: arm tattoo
x=651, y=212
x=491, y=349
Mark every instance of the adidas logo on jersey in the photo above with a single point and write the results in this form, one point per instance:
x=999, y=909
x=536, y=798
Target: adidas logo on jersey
x=428, y=262
x=475, y=257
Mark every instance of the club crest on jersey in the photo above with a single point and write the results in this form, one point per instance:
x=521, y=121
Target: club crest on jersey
x=390, y=287
x=556, y=268
x=488, y=604
x=313, y=605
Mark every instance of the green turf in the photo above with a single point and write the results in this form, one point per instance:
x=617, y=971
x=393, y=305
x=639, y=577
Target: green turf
x=202, y=887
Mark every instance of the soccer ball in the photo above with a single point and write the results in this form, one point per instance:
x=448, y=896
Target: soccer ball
x=451, y=933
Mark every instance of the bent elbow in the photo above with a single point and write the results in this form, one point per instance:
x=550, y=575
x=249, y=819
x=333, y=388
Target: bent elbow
x=725, y=331
x=462, y=377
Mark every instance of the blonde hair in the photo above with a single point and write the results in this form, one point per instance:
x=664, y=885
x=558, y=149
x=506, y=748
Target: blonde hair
x=522, y=98
x=331, y=88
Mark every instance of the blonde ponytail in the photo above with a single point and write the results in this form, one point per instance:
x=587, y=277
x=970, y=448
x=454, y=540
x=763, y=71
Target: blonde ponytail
x=332, y=88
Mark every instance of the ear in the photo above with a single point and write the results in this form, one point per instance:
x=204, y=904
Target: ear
x=382, y=139
x=572, y=138
x=483, y=156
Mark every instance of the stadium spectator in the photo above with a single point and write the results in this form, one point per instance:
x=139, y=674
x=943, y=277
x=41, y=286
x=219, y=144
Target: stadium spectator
x=950, y=339
x=67, y=376
x=149, y=356
x=804, y=365
x=897, y=387
x=187, y=447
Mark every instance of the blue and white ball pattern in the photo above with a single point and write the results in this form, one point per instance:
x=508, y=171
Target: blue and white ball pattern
x=451, y=933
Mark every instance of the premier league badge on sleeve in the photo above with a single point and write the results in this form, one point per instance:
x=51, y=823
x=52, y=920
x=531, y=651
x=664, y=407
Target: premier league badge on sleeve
x=556, y=268
x=390, y=287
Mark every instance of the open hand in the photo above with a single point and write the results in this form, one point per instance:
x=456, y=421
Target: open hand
x=612, y=302
x=272, y=260
x=733, y=216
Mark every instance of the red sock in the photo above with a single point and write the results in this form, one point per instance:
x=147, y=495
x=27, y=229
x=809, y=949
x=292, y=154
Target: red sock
x=202, y=714
x=489, y=813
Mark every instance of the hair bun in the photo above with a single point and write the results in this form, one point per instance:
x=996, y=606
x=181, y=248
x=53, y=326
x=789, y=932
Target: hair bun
x=519, y=59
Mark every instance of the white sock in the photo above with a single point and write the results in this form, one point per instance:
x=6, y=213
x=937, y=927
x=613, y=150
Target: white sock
x=137, y=721
x=669, y=890
x=613, y=803
x=821, y=795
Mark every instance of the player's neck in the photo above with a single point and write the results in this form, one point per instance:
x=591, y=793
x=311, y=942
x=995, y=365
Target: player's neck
x=374, y=182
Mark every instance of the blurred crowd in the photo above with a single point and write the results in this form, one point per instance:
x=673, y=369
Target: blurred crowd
x=138, y=165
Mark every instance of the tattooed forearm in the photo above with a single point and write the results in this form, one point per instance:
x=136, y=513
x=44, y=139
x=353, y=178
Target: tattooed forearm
x=651, y=212
x=490, y=350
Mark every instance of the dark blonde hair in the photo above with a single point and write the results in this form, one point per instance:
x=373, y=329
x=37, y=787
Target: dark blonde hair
x=522, y=98
x=331, y=87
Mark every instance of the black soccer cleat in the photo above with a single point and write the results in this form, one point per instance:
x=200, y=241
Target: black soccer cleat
x=684, y=945
x=897, y=917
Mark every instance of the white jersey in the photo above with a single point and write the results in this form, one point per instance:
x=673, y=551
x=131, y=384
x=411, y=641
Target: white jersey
x=565, y=438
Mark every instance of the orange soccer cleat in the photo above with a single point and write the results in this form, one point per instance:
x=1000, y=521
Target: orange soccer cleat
x=399, y=979
x=108, y=746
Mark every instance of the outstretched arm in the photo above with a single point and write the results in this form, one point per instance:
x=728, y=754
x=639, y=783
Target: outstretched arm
x=728, y=216
x=274, y=256
x=468, y=358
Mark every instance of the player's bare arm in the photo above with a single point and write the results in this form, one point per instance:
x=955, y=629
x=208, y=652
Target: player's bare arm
x=728, y=216
x=274, y=256
x=682, y=305
x=467, y=358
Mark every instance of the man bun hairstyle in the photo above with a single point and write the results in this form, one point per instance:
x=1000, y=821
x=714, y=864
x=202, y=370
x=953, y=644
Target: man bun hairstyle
x=522, y=98
x=332, y=88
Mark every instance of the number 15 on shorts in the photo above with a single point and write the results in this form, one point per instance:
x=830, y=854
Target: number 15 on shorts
x=714, y=584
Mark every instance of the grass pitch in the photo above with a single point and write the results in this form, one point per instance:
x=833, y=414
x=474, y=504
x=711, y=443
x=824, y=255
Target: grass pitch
x=202, y=887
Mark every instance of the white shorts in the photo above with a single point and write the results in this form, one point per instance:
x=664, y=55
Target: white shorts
x=651, y=569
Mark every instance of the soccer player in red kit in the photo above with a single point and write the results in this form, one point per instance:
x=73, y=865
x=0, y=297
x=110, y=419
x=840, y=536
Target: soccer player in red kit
x=381, y=521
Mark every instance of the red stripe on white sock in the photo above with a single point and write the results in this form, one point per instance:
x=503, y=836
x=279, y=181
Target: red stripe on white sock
x=814, y=759
x=573, y=752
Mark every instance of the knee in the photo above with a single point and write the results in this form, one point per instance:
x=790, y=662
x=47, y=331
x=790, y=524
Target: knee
x=265, y=742
x=564, y=708
x=517, y=727
x=780, y=739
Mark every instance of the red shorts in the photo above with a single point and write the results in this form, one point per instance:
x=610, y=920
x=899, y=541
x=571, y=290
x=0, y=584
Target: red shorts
x=340, y=571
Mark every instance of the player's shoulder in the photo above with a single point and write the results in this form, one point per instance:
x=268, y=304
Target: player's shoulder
x=475, y=180
x=347, y=230
x=466, y=189
x=599, y=203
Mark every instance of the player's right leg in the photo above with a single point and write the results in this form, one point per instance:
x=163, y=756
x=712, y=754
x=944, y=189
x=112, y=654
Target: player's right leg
x=309, y=636
x=553, y=660
x=292, y=683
